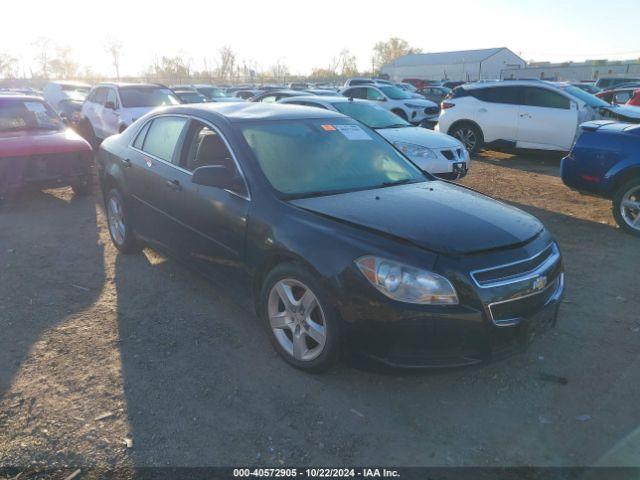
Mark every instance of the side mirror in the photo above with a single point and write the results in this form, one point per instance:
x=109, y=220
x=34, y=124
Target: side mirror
x=65, y=119
x=217, y=176
x=110, y=105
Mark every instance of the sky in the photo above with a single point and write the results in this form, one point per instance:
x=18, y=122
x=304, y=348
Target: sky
x=307, y=34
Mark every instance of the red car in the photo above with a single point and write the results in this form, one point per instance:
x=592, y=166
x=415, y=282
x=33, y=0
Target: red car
x=635, y=100
x=37, y=149
x=619, y=96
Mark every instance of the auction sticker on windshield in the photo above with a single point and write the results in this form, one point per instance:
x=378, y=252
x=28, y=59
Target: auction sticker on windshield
x=353, y=132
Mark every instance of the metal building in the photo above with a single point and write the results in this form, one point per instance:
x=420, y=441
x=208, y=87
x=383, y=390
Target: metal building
x=465, y=65
x=575, y=71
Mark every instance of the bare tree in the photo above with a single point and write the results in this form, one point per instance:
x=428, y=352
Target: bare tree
x=8, y=66
x=62, y=65
x=279, y=71
x=113, y=47
x=387, y=52
x=227, y=63
x=42, y=45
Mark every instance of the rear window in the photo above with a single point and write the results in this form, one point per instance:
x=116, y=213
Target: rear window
x=23, y=114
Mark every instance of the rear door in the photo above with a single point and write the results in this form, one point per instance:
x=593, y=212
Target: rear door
x=548, y=120
x=95, y=112
x=163, y=176
x=497, y=112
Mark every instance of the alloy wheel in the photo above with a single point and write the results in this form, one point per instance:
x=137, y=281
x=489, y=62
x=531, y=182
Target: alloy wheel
x=297, y=319
x=630, y=208
x=115, y=217
x=467, y=136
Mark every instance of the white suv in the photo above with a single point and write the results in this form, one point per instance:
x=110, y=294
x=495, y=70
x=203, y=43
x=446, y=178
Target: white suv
x=522, y=114
x=111, y=107
x=414, y=110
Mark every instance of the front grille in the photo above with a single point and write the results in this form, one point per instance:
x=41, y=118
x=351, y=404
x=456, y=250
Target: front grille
x=517, y=271
x=432, y=110
x=504, y=313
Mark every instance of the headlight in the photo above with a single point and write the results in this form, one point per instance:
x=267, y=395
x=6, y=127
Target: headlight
x=411, y=150
x=407, y=284
x=413, y=105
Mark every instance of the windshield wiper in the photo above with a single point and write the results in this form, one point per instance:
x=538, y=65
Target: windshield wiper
x=396, y=182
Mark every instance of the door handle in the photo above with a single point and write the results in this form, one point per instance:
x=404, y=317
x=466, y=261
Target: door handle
x=525, y=115
x=126, y=163
x=482, y=110
x=174, y=185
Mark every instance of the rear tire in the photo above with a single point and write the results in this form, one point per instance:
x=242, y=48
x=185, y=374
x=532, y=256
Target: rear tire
x=626, y=206
x=119, y=223
x=470, y=136
x=301, y=322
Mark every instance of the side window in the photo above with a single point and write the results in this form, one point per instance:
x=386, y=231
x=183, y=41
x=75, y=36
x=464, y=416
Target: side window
x=100, y=96
x=141, y=135
x=541, y=97
x=373, y=94
x=111, y=97
x=204, y=146
x=162, y=137
x=622, y=97
x=356, y=93
x=506, y=95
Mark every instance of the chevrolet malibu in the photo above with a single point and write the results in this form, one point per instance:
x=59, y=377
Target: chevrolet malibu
x=332, y=235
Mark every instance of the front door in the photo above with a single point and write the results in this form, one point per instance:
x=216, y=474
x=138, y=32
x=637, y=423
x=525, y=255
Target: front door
x=547, y=120
x=210, y=222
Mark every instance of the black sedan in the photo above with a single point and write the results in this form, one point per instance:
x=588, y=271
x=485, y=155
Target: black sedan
x=334, y=236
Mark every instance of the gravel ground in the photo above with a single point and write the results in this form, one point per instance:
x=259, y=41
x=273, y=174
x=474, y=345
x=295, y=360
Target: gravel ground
x=111, y=360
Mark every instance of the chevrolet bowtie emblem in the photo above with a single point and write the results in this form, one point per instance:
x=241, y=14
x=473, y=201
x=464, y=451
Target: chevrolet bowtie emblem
x=539, y=283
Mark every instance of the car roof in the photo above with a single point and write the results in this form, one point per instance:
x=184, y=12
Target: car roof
x=238, y=112
x=14, y=96
x=508, y=83
x=326, y=99
x=130, y=84
x=72, y=83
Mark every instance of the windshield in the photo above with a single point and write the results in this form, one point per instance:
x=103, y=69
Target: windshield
x=586, y=97
x=133, y=97
x=407, y=86
x=18, y=114
x=76, y=92
x=394, y=93
x=372, y=116
x=314, y=157
x=211, y=92
x=190, y=97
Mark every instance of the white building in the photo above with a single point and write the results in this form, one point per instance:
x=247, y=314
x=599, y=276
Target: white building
x=575, y=71
x=465, y=65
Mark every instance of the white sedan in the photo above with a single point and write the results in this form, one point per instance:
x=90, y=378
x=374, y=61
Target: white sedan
x=433, y=152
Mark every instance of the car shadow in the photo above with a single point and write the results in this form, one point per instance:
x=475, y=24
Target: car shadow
x=204, y=387
x=52, y=267
x=534, y=161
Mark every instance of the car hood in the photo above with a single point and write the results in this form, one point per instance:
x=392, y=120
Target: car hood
x=420, y=102
x=39, y=142
x=627, y=111
x=226, y=99
x=435, y=215
x=419, y=136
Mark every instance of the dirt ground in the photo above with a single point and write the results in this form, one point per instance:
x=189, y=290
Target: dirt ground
x=112, y=360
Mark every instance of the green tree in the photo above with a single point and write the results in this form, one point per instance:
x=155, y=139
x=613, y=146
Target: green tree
x=387, y=52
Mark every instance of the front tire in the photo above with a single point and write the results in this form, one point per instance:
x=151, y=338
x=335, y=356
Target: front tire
x=470, y=136
x=302, y=323
x=119, y=223
x=82, y=187
x=626, y=207
x=402, y=114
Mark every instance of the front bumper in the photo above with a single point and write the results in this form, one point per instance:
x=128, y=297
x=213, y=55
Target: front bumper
x=45, y=171
x=416, y=336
